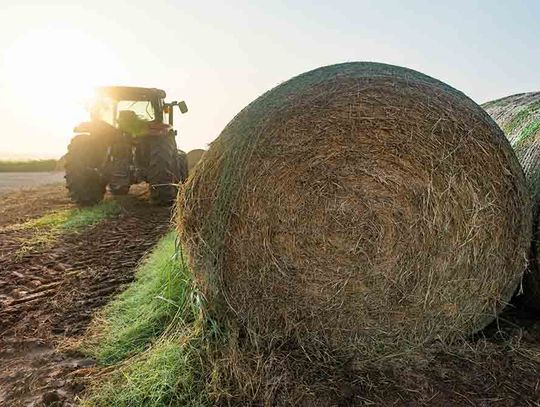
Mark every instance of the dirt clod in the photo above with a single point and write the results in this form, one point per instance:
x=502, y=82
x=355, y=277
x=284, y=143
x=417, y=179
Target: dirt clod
x=52, y=398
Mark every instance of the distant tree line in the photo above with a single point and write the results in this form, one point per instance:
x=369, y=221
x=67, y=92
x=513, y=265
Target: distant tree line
x=29, y=166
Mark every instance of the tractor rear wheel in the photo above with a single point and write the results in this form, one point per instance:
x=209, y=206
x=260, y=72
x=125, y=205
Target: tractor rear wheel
x=163, y=170
x=83, y=178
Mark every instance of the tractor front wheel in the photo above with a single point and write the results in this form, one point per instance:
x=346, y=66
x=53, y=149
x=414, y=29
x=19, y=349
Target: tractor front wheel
x=83, y=178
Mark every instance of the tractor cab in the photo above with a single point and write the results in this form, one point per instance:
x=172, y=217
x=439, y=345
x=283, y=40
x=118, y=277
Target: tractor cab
x=123, y=106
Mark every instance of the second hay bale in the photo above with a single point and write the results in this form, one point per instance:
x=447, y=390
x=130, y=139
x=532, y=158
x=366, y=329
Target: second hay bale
x=193, y=158
x=359, y=205
x=519, y=117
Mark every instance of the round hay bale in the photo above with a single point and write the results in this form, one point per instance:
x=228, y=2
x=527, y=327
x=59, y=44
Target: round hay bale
x=193, y=157
x=358, y=205
x=519, y=117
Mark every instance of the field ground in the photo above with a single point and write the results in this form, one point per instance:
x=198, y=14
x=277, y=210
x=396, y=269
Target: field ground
x=12, y=181
x=75, y=261
x=59, y=266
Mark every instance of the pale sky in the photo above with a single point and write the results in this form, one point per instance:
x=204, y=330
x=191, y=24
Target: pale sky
x=219, y=56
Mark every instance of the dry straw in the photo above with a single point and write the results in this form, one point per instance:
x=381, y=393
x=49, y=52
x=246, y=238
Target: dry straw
x=361, y=206
x=519, y=117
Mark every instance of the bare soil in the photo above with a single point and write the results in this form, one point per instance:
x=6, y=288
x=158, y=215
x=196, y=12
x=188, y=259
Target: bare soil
x=48, y=296
x=500, y=367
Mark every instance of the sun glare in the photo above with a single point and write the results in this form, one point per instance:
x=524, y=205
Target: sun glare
x=53, y=72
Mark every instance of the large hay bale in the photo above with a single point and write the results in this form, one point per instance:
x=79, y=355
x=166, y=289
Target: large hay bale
x=358, y=205
x=519, y=117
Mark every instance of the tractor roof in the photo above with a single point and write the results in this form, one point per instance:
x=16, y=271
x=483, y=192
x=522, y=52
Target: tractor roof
x=131, y=93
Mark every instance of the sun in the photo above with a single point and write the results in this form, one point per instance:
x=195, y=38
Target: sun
x=52, y=71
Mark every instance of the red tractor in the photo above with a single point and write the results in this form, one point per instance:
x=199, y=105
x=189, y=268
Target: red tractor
x=129, y=139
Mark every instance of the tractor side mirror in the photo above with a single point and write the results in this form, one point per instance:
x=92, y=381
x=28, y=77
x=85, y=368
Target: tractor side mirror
x=182, y=106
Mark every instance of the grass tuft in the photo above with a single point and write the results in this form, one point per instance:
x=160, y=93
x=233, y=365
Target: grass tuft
x=71, y=219
x=47, y=228
x=81, y=218
x=153, y=336
x=164, y=375
x=159, y=295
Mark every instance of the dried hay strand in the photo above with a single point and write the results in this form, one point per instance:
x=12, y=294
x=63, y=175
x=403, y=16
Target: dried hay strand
x=361, y=206
x=519, y=117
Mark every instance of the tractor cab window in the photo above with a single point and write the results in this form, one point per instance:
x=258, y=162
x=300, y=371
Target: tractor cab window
x=142, y=108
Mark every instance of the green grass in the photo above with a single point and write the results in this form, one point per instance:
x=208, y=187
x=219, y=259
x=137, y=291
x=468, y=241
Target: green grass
x=28, y=166
x=47, y=228
x=72, y=219
x=153, y=336
x=159, y=295
x=168, y=374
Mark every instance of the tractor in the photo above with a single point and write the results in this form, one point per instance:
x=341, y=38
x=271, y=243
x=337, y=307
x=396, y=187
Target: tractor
x=129, y=139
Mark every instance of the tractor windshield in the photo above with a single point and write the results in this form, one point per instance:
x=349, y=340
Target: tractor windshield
x=108, y=110
x=142, y=108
